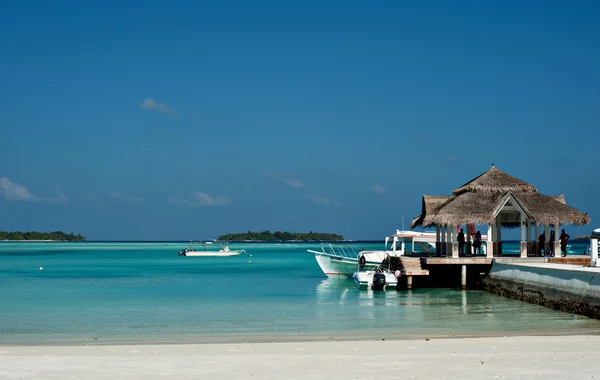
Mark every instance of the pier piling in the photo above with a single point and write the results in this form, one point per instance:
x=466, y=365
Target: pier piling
x=463, y=276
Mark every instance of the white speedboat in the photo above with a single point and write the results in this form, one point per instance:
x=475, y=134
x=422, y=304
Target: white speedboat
x=378, y=278
x=341, y=260
x=206, y=249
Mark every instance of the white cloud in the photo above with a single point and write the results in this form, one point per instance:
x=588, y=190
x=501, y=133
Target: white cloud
x=127, y=198
x=200, y=199
x=378, y=189
x=322, y=200
x=60, y=198
x=150, y=105
x=13, y=191
x=293, y=183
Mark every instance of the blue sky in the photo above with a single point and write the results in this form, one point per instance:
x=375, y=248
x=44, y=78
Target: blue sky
x=186, y=120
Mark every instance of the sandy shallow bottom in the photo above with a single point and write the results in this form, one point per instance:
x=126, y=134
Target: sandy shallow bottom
x=547, y=357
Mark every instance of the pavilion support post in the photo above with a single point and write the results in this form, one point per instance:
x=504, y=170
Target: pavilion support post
x=490, y=243
x=498, y=238
x=468, y=239
x=536, y=238
x=547, y=240
x=444, y=240
x=438, y=241
x=449, y=242
x=524, y=227
x=529, y=240
x=448, y=238
x=594, y=253
x=556, y=247
x=453, y=243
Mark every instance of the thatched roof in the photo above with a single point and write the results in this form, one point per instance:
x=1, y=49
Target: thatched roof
x=429, y=204
x=495, y=181
x=551, y=210
x=482, y=208
x=481, y=200
x=464, y=208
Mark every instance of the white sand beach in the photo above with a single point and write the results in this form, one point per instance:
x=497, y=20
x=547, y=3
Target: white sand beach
x=547, y=357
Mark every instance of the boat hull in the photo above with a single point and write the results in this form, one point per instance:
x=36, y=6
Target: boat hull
x=336, y=266
x=364, y=280
x=212, y=253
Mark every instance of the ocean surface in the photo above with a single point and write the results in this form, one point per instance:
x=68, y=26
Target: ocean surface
x=104, y=293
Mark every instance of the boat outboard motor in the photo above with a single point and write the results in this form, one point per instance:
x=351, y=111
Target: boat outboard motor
x=182, y=252
x=378, y=280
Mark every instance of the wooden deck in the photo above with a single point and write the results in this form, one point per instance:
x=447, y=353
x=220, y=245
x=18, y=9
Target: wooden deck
x=575, y=260
x=448, y=269
x=411, y=266
x=456, y=261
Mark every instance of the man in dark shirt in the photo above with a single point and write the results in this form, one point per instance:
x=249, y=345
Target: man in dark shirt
x=461, y=242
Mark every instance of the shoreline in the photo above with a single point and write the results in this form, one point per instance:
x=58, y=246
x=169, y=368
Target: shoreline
x=549, y=357
x=348, y=336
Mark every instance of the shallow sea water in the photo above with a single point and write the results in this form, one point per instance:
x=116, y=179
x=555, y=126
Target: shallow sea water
x=144, y=293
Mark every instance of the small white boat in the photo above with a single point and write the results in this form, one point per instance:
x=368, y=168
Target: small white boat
x=341, y=260
x=378, y=278
x=206, y=249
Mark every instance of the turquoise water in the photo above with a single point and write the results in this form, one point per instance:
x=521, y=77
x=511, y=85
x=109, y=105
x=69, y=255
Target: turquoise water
x=144, y=292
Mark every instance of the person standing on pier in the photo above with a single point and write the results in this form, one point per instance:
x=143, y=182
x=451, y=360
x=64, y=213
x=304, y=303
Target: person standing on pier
x=564, y=237
x=461, y=242
x=477, y=243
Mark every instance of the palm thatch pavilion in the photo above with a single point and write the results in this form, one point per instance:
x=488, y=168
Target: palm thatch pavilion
x=497, y=199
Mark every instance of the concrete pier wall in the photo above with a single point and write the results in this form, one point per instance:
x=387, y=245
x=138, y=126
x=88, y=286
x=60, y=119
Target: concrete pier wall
x=561, y=287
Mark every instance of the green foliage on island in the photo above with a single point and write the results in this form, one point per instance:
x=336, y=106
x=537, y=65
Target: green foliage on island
x=35, y=235
x=281, y=236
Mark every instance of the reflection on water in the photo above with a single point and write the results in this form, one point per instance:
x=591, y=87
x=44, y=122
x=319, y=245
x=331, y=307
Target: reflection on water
x=438, y=312
x=330, y=287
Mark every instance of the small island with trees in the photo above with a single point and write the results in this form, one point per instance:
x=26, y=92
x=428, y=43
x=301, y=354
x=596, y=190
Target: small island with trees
x=40, y=236
x=281, y=236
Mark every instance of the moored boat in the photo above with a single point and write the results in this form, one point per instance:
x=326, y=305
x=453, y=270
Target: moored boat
x=341, y=260
x=206, y=249
x=377, y=278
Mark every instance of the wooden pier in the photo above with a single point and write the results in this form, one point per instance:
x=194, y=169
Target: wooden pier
x=445, y=271
x=412, y=266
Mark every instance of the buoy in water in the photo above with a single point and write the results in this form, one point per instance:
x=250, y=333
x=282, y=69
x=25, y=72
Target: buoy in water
x=41, y=268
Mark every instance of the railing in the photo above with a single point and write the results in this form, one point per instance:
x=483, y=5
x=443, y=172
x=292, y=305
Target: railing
x=343, y=251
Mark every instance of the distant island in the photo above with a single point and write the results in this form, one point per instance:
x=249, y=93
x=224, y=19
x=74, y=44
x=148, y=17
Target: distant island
x=282, y=236
x=35, y=235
